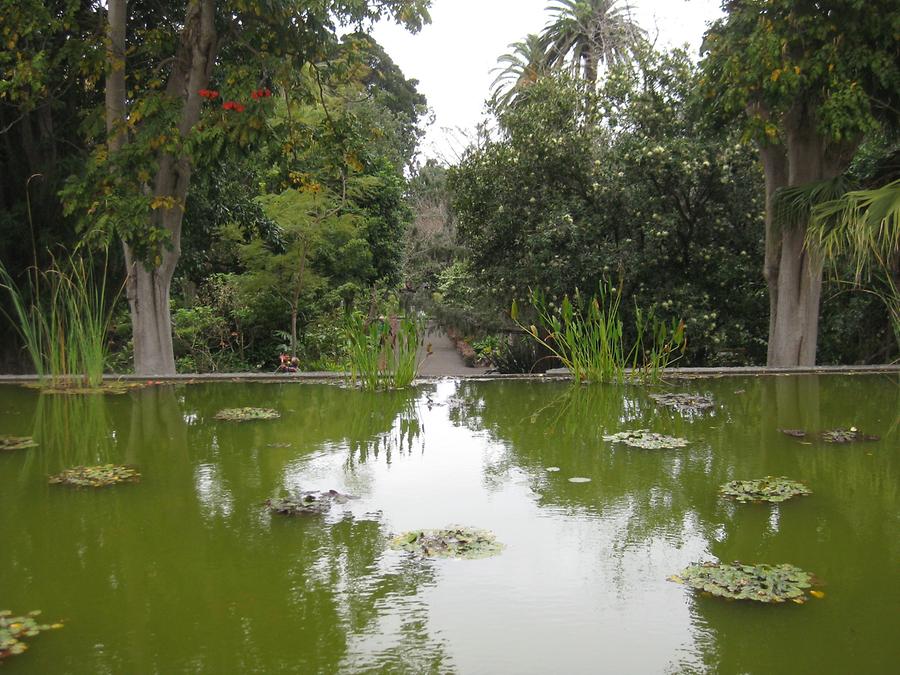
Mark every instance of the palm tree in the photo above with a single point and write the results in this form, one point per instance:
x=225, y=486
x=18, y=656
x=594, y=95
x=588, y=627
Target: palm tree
x=587, y=33
x=864, y=226
x=518, y=69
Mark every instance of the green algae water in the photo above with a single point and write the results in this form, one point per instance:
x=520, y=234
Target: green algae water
x=187, y=572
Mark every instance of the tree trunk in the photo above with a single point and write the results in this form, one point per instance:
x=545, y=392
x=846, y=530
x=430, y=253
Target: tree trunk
x=774, y=162
x=794, y=328
x=149, y=282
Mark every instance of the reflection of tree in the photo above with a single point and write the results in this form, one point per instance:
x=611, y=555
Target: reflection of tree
x=846, y=532
x=186, y=587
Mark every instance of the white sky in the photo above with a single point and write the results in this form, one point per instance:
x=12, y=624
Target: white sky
x=453, y=56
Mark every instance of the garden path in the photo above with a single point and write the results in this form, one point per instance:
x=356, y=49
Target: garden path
x=444, y=359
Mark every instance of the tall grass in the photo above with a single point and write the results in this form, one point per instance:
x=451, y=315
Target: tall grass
x=382, y=352
x=587, y=335
x=63, y=317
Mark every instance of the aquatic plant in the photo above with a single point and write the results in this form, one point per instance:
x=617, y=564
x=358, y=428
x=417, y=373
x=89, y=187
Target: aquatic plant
x=63, y=318
x=587, y=335
x=762, y=583
x=452, y=542
x=247, y=414
x=579, y=479
x=769, y=489
x=851, y=435
x=307, y=502
x=648, y=440
x=382, y=352
x=684, y=402
x=96, y=476
x=16, y=443
x=14, y=629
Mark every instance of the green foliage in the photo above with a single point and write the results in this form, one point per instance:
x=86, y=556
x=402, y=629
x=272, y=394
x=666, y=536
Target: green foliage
x=587, y=336
x=15, y=629
x=769, y=489
x=579, y=184
x=382, y=352
x=102, y=475
x=838, y=59
x=452, y=542
x=63, y=318
x=762, y=583
x=689, y=403
x=247, y=414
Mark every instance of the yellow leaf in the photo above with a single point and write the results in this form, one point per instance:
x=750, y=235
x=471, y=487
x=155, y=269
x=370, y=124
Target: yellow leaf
x=817, y=594
x=775, y=75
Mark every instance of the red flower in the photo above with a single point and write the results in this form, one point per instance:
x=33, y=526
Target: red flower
x=233, y=105
x=209, y=93
x=261, y=93
x=239, y=107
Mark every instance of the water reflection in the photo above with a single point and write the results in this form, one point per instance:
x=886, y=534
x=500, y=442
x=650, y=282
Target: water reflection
x=187, y=570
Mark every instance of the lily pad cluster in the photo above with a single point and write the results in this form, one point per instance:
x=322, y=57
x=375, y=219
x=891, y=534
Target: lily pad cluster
x=769, y=489
x=16, y=443
x=684, y=402
x=452, y=542
x=96, y=476
x=762, y=583
x=15, y=629
x=247, y=414
x=648, y=440
x=851, y=435
x=307, y=502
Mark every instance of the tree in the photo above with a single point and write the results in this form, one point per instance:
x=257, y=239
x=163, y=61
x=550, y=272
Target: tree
x=523, y=66
x=160, y=119
x=810, y=79
x=588, y=33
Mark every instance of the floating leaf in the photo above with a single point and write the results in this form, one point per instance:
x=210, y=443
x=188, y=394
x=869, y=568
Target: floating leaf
x=684, y=402
x=307, y=502
x=761, y=583
x=247, y=414
x=16, y=443
x=851, y=435
x=648, y=440
x=769, y=489
x=794, y=433
x=454, y=541
x=13, y=629
x=552, y=469
x=817, y=594
x=579, y=479
x=96, y=476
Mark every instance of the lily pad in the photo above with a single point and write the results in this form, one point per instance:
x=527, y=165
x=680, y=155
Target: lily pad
x=16, y=443
x=15, y=629
x=851, y=435
x=684, y=402
x=552, y=469
x=247, y=414
x=307, y=502
x=96, y=476
x=454, y=541
x=579, y=479
x=648, y=440
x=794, y=433
x=769, y=489
x=761, y=583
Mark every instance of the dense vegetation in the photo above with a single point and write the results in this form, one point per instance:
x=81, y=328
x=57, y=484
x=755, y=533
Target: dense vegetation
x=256, y=181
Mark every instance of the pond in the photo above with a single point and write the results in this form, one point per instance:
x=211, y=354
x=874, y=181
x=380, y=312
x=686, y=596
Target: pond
x=186, y=570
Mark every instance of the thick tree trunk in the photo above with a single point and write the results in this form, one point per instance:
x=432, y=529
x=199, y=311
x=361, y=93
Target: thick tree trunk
x=794, y=328
x=774, y=162
x=149, y=282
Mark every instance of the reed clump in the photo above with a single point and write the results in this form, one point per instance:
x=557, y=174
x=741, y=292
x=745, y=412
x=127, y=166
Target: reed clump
x=587, y=335
x=382, y=351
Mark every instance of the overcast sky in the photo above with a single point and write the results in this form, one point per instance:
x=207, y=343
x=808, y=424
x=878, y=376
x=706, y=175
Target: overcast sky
x=453, y=56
